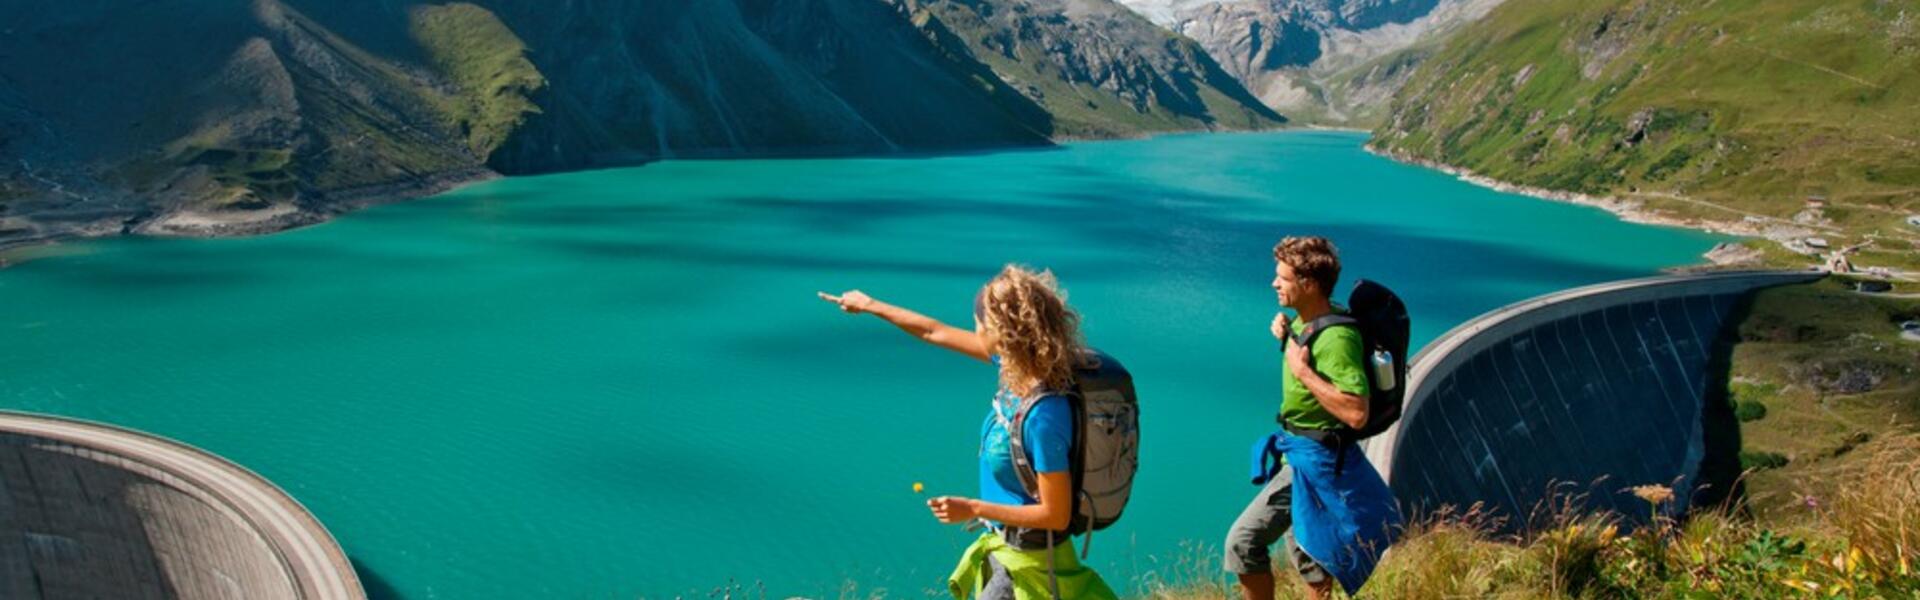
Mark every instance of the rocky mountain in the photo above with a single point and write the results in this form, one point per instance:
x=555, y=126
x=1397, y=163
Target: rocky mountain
x=1324, y=61
x=274, y=113
x=1344, y=14
x=1727, y=111
x=1099, y=68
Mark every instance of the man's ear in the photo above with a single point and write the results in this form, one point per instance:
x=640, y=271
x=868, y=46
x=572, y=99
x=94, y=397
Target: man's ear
x=1312, y=287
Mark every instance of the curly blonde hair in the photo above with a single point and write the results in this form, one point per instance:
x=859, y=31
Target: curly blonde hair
x=1031, y=327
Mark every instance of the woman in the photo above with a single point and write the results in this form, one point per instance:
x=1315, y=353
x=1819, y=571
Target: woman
x=1021, y=325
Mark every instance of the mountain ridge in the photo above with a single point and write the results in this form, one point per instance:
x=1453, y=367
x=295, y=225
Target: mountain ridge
x=1327, y=62
x=279, y=113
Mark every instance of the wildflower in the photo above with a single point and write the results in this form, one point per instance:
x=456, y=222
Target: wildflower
x=1653, y=494
x=1810, y=501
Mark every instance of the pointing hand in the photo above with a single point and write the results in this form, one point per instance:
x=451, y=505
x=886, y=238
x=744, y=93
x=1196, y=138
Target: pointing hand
x=852, y=301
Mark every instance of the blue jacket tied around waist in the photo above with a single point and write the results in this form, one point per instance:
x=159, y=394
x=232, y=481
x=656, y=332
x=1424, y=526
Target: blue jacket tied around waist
x=1344, y=518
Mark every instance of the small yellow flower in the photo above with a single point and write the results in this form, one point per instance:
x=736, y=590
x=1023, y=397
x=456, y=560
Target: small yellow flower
x=919, y=487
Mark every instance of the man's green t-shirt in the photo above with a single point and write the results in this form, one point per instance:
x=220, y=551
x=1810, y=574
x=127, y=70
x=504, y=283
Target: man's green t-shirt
x=1340, y=358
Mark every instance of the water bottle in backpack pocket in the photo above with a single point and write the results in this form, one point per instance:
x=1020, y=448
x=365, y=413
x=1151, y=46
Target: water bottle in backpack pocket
x=1381, y=318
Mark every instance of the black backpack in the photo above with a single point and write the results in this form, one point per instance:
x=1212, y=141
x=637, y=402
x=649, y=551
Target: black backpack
x=1384, y=328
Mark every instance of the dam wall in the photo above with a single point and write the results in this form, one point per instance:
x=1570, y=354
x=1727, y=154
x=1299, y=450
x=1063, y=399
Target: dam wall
x=1576, y=396
x=95, y=511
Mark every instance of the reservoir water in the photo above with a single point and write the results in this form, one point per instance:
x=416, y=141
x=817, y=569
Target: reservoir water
x=619, y=383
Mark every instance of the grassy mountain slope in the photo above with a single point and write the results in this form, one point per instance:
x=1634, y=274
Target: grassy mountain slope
x=261, y=116
x=275, y=113
x=647, y=80
x=1707, y=110
x=488, y=65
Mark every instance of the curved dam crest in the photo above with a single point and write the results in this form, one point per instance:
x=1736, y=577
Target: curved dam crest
x=1577, y=395
x=89, y=510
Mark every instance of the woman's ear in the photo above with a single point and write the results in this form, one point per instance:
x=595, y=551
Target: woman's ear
x=986, y=336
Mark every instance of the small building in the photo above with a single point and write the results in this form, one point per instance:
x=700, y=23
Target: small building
x=1814, y=242
x=1838, y=263
x=1816, y=201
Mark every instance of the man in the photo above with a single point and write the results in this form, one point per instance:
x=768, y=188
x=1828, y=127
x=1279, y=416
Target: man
x=1325, y=393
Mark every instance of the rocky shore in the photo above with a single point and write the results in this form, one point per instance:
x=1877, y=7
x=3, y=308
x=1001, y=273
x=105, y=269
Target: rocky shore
x=1636, y=211
x=20, y=240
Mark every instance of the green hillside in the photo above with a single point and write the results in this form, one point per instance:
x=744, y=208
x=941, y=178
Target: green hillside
x=289, y=111
x=1725, y=111
x=488, y=63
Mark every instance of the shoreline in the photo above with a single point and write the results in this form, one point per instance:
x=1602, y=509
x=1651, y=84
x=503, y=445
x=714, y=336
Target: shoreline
x=1635, y=211
x=278, y=218
x=325, y=207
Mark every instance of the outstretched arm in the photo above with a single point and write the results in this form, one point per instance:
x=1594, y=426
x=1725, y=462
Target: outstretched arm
x=926, y=328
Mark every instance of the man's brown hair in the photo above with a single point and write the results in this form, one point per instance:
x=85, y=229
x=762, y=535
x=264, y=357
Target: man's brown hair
x=1313, y=258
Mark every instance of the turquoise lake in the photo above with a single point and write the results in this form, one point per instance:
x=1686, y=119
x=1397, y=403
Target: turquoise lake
x=619, y=383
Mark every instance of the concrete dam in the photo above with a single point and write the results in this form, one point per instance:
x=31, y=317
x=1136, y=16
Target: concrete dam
x=95, y=511
x=1577, y=395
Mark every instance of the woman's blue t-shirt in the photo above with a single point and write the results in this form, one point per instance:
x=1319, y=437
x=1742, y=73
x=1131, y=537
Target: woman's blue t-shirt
x=1049, y=439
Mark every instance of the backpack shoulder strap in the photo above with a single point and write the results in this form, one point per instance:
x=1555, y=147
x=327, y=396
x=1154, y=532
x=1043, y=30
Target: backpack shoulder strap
x=1017, y=439
x=1325, y=322
x=1321, y=325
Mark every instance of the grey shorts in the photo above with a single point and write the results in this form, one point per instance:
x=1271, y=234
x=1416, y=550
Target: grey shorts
x=999, y=584
x=1266, y=520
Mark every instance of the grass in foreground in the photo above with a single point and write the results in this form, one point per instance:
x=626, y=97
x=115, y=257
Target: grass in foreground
x=1861, y=541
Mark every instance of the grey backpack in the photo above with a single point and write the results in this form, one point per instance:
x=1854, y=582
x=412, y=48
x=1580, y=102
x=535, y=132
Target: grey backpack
x=1106, y=445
